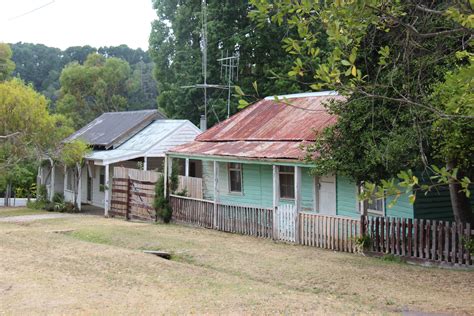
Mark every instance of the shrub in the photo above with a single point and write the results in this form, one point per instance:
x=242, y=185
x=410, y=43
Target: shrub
x=58, y=197
x=162, y=208
x=42, y=193
x=362, y=243
x=37, y=205
x=49, y=206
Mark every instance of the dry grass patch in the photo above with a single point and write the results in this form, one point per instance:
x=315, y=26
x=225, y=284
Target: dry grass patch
x=99, y=267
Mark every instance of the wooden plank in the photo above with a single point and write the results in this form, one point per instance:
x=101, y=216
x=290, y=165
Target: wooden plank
x=403, y=236
x=468, y=238
x=460, y=233
x=415, y=238
x=427, y=234
x=434, y=244
x=453, y=243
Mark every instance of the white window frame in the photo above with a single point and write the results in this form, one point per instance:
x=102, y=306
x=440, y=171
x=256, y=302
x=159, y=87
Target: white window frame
x=364, y=206
x=231, y=169
x=280, y=172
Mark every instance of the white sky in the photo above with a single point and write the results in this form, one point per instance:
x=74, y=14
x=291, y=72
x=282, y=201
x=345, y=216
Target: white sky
x=65, y=23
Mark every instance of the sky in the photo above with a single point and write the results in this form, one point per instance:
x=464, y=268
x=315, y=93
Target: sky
x=65, y=23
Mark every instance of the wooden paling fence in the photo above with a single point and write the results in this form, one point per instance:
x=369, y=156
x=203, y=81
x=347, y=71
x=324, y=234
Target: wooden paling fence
x=133, y=199
x=432, y=240
x=197, y=212
x=438, y=241
x=245, y=220
x=136, y=174
x=329, y=232
x=192, y=185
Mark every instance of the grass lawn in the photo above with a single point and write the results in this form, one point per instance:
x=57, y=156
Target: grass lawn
x=18, y=211
x=96, y=266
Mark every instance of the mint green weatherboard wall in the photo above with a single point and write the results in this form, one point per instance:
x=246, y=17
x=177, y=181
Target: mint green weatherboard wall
x=347, y=203
x=403, y=207
x=436, y=205
x=346, y=197
x=257, y=186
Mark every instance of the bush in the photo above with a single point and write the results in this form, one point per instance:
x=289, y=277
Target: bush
x=58, y=198
x=37, y=205
x=162, y=208
x=362, y=243
x=50, y=207
x=42, y=193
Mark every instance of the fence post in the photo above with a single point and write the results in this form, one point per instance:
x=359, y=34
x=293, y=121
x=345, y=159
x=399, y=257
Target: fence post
x=127, y=206
x=362, y=231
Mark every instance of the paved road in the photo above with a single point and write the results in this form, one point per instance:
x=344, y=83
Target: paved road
x=29, y=218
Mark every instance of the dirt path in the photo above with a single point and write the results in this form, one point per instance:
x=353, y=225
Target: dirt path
x=30, y=218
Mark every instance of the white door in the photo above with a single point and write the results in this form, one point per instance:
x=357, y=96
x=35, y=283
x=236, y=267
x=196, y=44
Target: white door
x=327, y=195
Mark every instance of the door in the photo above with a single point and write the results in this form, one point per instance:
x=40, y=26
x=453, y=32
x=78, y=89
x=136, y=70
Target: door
x=327, y=195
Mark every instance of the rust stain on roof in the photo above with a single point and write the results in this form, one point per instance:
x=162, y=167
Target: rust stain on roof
x=266, y=130
x=244, y=149
x=275, y=121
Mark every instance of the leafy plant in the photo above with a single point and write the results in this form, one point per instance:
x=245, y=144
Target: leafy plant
x=362, y=243
x=162, y=208
x=469, y=245
x=42, y=195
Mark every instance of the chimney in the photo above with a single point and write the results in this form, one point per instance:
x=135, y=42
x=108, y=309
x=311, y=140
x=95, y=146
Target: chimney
x=203, y=123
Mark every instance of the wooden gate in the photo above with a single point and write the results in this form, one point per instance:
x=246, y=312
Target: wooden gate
x=133, y=199
x=286, y=222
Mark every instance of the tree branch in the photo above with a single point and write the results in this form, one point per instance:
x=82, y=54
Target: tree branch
x=9, y=135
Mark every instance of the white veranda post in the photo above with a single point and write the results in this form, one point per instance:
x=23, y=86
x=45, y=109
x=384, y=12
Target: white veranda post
x=276, y=200
x=216, y=190
x=297, y=200
x=186, y=168
x=107, y=191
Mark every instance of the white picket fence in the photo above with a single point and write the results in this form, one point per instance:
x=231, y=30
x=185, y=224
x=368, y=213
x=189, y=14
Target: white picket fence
x=286, y=215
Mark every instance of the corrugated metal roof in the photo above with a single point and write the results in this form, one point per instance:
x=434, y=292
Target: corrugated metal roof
x=145, y=140
x=113, y=128
x=243, y=149
x=267, y=129
x=294, y=119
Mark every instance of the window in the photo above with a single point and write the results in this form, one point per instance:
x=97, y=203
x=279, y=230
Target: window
x=235, y=177
x=102, y=179
x=375, y=206
x=69, y=179
x=287, y=182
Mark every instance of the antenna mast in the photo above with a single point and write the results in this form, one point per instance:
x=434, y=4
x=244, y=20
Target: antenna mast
x=204, y=56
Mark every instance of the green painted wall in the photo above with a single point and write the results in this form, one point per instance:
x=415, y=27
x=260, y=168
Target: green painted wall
x=436, y=205
x=346, y=197
x=403, y=207
x=257, y=182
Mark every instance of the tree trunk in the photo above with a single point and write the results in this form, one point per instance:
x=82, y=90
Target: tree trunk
x=459, y=201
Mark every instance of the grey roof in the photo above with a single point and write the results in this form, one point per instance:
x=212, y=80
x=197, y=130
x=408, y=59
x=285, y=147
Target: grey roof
x=113, y=128
x=152, y=141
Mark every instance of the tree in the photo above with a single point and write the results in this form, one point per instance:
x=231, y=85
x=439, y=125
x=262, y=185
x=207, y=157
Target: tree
x=406, y=69
x=73, y=157
x=29, y=130
x=6, y=64
x=97, y=86
x=175, y=47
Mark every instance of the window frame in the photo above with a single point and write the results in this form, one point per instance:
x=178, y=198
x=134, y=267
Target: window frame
x=365, y=207
x=230, y=170
x=292, y=173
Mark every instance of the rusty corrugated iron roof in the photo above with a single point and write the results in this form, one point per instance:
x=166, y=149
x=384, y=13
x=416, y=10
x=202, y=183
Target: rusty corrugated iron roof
x=243, y=149
x=268, y=129
x=275, y=121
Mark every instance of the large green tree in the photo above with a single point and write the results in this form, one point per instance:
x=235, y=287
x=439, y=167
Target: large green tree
x=99, y=85
x=175, y=47
x=41, y=66
x=406, y=68
x=6, y=64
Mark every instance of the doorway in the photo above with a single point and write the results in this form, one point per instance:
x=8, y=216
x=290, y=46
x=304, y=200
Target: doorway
x=327, y=195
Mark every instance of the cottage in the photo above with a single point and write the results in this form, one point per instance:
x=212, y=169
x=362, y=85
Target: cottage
x=135, y=139
x=255, y=158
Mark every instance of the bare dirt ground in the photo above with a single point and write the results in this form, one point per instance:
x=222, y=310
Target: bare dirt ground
x=96, y=266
